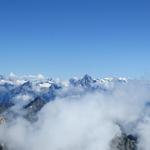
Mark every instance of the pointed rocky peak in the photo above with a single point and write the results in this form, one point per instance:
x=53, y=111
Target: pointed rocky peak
x=86, y=81
x=87, y=78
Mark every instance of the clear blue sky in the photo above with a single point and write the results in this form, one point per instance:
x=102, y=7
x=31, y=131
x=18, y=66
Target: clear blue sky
x=73, y=37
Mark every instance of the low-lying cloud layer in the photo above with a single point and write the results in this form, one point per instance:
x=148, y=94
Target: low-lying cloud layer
x=88, y=121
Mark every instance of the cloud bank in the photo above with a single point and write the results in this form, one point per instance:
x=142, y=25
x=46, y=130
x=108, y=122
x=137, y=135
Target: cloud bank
x=88, y=121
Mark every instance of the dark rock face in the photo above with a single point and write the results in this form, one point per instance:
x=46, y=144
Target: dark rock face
x=35, y=105
x=5, y=106
x=3, y=147
x=124, y=142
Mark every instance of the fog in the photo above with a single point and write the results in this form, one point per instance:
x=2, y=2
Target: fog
x=87, y=122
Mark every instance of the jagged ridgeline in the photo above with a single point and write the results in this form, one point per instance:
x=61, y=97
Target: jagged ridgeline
x=26, y=96
x=25, y=90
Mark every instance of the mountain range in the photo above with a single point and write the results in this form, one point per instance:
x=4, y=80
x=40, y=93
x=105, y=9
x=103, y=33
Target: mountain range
x=23, y=91
x=28, y=95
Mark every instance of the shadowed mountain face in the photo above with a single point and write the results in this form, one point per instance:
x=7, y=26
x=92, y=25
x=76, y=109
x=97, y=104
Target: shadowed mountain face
x=35, y=105
x=124, y=142
x=3, y=147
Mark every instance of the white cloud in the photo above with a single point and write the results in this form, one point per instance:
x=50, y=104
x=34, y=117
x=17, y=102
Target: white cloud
x=87, y=122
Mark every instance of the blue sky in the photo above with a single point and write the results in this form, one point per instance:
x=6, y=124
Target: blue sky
x=64, y=38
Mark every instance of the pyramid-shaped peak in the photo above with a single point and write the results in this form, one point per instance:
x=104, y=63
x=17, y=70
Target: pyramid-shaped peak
x=87, y=77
